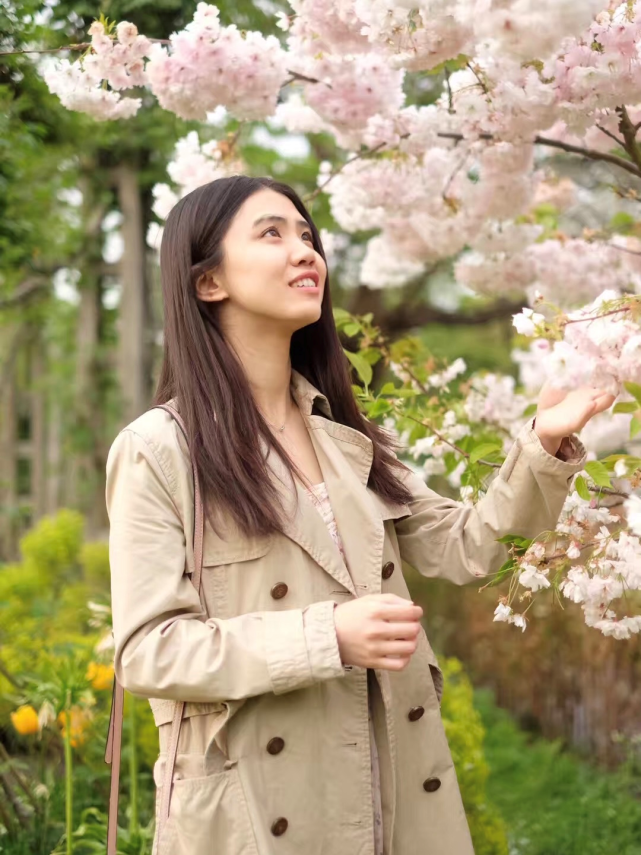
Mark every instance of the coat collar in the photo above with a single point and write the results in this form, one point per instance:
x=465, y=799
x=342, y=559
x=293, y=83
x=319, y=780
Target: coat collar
x=306, y=395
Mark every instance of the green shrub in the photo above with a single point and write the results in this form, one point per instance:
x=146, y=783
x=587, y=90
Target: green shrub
x=553, y=802
x=53, y=545
x=465, y=734
x=94, y=559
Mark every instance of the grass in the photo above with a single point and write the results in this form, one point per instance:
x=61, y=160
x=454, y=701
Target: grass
x=553, y=802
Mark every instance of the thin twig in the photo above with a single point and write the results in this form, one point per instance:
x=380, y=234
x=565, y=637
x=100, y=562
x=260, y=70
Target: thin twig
x=607, y=491
x=436, y=433
x=447, y=441
x=79, y=46
x=11, y=797
x=624, y=249
x=363, y=154
x=567, y=321
x=22, y=783
x=9, y=677
x=612, y=136
x=476, y=74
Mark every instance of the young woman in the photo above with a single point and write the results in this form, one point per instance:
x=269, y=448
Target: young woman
x=312, y=722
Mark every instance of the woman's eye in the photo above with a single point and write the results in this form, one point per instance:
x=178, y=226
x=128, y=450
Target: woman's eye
x=274, y=229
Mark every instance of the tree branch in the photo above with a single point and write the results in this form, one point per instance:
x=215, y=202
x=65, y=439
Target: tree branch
x=24, y=293
x=629, y=133
x=571, y=149
x=405, y=317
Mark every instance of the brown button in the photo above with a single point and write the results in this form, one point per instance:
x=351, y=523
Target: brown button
x=279, y=590
x=431, y=785
x=275, y=745
x=415, y=713
x=279, y=826
x=388, y=569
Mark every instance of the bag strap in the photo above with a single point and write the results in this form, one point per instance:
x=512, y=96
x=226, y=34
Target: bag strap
x=114, y=735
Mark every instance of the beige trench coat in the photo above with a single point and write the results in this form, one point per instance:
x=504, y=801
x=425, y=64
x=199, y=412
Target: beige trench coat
x=274, y=752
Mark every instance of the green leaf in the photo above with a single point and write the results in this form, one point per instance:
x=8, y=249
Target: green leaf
x=530, y=410
x=634, y=389
x=581, y=486
x=635, y=427
x=622, y=222
x=405, y=393
x=521, y=542
x=378, y=408
x=388, y=389
x=351, y=329
x=599, y=473
x=626, y=407
x=362, y=366
x=371, y=355
x=504, y=570
x=484, y=450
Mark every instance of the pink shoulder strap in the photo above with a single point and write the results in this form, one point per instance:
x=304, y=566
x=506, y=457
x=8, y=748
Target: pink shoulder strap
x=114, y=735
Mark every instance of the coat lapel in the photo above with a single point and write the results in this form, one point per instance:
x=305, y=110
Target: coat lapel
x=305, y=526
x=345, y=459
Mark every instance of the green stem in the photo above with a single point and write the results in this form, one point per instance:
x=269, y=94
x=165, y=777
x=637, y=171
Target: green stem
x=68, y=777
x=133, y=767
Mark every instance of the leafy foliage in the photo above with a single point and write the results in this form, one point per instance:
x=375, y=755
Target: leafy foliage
x=465, y=735
x=555, y=803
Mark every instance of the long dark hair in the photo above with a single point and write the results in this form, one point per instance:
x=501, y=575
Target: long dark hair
x=203, y=374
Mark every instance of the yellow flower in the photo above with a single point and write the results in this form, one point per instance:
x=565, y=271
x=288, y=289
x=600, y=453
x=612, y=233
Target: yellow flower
x=100, y=676
x=79, y=719
x=25, y=720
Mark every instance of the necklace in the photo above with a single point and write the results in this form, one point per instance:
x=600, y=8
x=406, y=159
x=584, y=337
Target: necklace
x=282, y=428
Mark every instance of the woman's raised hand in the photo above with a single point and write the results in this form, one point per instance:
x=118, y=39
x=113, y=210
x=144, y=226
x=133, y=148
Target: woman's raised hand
x=378, y=631
x=561, y=413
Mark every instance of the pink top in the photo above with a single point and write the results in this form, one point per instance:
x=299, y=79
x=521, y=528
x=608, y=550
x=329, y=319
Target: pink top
x=320, y=497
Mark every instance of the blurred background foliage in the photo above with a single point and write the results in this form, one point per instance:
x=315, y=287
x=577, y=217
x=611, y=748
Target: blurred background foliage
x=80, y=323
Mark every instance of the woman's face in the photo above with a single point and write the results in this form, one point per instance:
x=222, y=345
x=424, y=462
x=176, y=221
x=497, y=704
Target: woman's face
x=267, y=246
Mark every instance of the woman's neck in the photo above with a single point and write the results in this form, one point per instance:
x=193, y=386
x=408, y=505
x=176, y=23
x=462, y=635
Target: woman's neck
x=267, y=365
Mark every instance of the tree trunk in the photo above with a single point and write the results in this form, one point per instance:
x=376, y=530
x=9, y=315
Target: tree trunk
x=84, y=487
x=38, y=431
x=8, y=424
x=133, y=340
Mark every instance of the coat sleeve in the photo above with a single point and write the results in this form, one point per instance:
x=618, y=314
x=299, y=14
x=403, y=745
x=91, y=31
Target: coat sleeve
x=165, y=645
x=444, y=538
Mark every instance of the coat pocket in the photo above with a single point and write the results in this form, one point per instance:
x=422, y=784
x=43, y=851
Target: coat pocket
x=435, y=670
x=208, y=815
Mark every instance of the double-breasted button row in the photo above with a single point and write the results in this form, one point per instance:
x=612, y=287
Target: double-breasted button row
x=279, y=590
x=430, y=785
x=275, y=746
x=388, y=569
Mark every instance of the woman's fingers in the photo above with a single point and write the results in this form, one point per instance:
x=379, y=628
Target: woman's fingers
x=398, y=629
x=401, y=611
x=604, y=401
x=399, y=648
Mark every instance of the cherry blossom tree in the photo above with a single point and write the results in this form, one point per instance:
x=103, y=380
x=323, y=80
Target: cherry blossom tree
x=469, y=180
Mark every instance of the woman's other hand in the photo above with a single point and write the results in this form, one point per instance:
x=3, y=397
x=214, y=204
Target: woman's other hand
x=378, y=631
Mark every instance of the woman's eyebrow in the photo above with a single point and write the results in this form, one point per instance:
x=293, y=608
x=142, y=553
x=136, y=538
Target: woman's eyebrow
x=274, y=218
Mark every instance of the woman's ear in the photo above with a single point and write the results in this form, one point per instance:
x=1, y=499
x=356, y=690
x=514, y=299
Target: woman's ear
x=208, y=290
